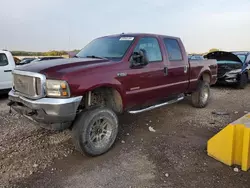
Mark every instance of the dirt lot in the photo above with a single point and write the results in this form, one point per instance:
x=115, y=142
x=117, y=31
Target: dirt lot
x=173, y=156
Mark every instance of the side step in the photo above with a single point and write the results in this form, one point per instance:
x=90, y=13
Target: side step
x=181, y=97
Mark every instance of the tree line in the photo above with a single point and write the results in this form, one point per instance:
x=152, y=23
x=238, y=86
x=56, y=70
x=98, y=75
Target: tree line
x=49, y=53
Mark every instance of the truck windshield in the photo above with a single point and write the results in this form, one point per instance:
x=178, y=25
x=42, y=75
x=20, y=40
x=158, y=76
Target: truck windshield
x=113, y=48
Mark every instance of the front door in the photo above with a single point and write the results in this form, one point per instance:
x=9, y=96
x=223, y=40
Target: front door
x=146, y=85
x=5, y=72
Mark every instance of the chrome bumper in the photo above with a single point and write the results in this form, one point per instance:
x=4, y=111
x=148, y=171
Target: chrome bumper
x=57, y=111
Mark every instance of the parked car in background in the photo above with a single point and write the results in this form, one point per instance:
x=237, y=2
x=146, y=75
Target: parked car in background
x=111, y=75
x=244, y=56
x=46, y=58
x=26, y=61
x=192, y=57
x=7, y=64
x=17, y=60
x=233, y=67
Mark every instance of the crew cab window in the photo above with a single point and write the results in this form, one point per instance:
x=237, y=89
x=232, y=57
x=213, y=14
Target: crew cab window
x=173, y=50
x=3, y=60
x=152, y=48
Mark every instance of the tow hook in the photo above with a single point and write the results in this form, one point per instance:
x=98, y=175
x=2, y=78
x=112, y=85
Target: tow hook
x=31, y=113
x=10, y=103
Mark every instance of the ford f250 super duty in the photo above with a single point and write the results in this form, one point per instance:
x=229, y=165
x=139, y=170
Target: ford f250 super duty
x=111, y=75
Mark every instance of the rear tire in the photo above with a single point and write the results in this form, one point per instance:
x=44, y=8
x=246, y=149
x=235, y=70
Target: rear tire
x=201, y=96
x=95, y=131
x=242, y=81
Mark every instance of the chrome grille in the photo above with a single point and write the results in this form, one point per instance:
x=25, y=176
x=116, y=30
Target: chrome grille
x=29, y=84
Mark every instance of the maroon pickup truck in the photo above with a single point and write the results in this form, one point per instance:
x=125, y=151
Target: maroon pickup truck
x=111, y=75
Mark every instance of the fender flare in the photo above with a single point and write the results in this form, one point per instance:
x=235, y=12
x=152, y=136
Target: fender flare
x=206, y=71
x=116, y=86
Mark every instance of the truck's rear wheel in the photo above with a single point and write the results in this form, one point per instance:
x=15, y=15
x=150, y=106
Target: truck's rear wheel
x=201, y=96
x=95, y=131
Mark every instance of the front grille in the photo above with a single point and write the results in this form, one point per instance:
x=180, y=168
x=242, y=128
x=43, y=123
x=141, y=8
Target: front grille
x=224, y=68
x=28, y=85
x=221, y=72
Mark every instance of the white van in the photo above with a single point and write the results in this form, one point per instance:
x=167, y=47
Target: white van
x=7, y=64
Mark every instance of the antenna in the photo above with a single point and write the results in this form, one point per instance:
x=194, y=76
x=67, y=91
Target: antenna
x=69, y=33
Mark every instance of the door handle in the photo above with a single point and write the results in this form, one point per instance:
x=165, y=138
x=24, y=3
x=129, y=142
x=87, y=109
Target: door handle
x=185, y=68
x=165, y=70
x=7, y=70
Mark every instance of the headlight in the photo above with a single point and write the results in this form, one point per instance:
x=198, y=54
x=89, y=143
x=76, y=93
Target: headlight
x=57, y=88
x=236, y=71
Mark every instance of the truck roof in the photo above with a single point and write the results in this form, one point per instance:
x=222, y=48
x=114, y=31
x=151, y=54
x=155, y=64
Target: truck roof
x=5, y=52
x=2, y=51
x=140, y=34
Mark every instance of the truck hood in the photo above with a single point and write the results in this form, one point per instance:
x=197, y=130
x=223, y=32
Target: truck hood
x=223, y=56
x=58, y=67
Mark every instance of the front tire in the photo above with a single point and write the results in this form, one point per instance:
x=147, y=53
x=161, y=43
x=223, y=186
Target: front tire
x=201, y=96
x=95, y=131
x=243, y=81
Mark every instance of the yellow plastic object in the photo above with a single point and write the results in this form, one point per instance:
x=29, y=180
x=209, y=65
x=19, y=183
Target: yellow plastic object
x=231, y=145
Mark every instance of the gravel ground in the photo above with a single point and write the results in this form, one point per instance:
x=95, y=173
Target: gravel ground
x=25, y=148
x=172, y=156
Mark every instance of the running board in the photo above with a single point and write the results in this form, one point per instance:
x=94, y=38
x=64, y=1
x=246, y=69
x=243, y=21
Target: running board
x=157, y=105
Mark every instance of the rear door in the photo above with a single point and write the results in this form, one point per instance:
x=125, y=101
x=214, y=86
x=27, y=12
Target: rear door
x=5, y=72
x=178, y=66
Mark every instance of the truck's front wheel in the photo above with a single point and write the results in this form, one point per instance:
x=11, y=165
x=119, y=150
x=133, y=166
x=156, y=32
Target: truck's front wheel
x=95, y=131
x=201, y=96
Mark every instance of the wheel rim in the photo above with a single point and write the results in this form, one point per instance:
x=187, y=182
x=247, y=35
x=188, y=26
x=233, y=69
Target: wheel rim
x=204, y=95
x=100, y=132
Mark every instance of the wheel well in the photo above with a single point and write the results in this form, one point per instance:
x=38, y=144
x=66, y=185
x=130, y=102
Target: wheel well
x=206, y=77
x=104, y=96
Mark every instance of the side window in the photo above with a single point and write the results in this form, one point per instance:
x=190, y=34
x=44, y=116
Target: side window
x=152, y=48
x=3, y=60
x=173, y=49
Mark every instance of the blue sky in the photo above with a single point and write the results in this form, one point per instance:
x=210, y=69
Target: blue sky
x=42, y=25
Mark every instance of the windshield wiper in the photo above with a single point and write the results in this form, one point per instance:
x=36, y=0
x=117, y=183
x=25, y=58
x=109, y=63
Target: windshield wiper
x=96, y=57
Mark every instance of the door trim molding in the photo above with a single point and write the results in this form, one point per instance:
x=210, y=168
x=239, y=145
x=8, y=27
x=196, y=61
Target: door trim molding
x=158, y=87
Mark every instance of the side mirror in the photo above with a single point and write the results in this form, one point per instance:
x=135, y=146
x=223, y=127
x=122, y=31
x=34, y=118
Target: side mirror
x=139, y=59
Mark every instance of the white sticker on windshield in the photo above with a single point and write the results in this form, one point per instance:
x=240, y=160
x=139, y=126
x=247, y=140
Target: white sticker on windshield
x=127, y=38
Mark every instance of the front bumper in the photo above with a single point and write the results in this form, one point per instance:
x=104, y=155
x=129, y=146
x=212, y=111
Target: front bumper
x=229, y=79
x=52, y=113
